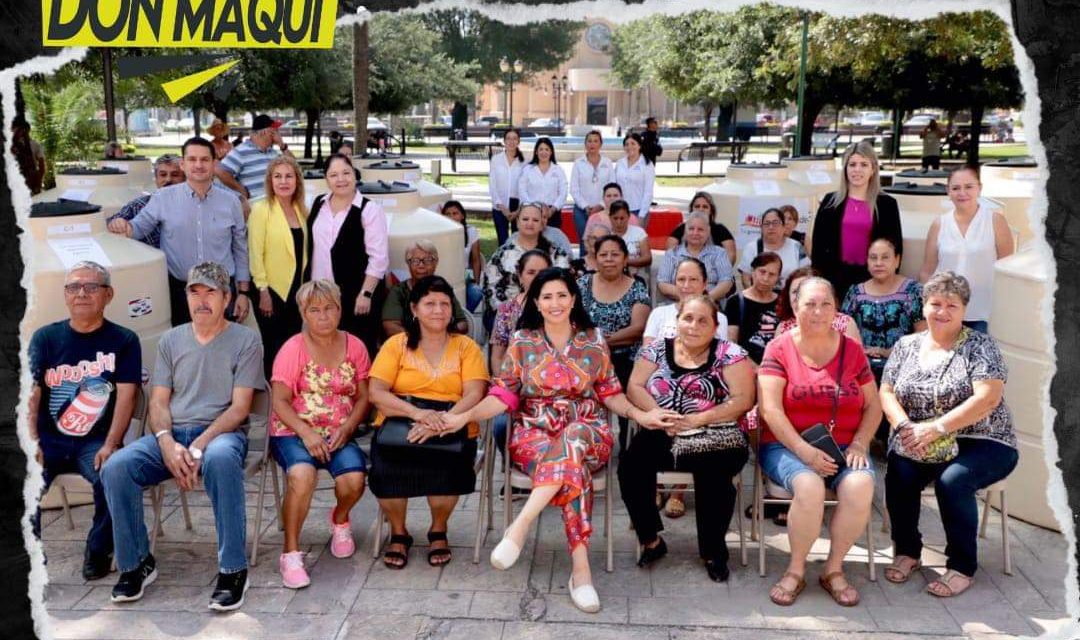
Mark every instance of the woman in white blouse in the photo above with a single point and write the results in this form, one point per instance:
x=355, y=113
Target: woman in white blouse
x=543, y=181
x=636, y=174
x=968, y=240
x=503, y=184
x=587, y=179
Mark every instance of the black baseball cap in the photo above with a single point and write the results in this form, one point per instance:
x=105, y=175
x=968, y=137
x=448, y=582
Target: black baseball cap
x=263, y=121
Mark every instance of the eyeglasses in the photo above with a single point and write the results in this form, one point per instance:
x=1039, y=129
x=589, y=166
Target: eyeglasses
x=89, y=287
x=418, y=261
x=772, y=223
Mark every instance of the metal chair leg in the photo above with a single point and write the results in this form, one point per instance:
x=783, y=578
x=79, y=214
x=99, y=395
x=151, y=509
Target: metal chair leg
x=986, y=513
x=609, y=538
x=184, y=506
x=482, y=505
x=376, y=534
x=739, y=516
x=67, y=508
x=870, y=553
x=157, y=497
x=279, y=504
x=258, y=517
x=1005, y=535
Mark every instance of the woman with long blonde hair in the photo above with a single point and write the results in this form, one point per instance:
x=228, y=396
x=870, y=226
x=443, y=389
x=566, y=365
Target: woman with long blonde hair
x=852, y=217
x=277, y=252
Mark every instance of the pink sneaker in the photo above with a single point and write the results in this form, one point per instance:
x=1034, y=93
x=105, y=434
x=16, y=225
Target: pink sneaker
x=293, y=574
x=341, y=540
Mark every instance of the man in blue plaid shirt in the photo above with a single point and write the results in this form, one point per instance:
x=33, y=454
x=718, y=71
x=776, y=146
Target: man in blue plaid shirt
x=167, y=171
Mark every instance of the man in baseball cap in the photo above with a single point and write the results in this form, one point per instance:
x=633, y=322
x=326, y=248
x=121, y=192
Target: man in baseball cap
x=244, y=168
x=200, y=400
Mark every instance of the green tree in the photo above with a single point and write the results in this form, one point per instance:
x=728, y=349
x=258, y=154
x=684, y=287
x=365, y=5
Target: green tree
x=62, y=112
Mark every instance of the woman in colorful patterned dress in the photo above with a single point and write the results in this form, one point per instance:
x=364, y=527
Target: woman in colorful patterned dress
x=320, y=396
x=559, y=382
x=710, y=383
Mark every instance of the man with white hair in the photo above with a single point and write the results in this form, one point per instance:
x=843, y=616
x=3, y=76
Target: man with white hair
x=167, y=171
x=422, y=257
x=85, y=371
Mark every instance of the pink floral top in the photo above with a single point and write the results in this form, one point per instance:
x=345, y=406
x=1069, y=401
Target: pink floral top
x=321, y=396
x=840, y=323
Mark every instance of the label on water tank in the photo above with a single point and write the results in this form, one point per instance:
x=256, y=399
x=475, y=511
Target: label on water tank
x=766, y=187
x=121, y=166
x=74, y=250
x=1025, y=176
x=412, y=176
x=140, y=307
x=82, y=228
x=82, y=195
x=818, y=177
x=388, y=202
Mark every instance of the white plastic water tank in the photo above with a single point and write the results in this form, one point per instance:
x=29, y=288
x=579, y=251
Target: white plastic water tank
x=1012, y=182
x=1020, y=286
x=409, y=222
x=749, y=189
x=139, y=170
x=917, y=176
x=108, y=188
x=432, y=196
x=920, y=205
x=65, y=233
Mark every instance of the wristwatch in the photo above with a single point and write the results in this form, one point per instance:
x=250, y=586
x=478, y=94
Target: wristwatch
x=195, y=453
x=366, y=294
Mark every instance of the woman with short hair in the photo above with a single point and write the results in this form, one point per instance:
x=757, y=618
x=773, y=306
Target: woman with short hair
x=697, y=243
x=721, y=236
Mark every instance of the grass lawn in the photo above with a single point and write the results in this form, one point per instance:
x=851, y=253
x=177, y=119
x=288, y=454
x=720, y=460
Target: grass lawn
x=486, y=229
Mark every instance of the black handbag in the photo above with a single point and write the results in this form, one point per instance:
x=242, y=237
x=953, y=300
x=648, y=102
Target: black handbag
x=393, y=433
x=820, y=435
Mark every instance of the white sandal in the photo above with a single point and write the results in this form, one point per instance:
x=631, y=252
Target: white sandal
x=584, y=597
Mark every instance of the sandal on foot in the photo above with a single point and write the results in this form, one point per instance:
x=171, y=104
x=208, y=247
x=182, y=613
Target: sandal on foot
x=675, y=508
x=403, y=539
x=435, y=556
x=787, y=596
x=944, y=584
x=826, y=582
x=899, y=571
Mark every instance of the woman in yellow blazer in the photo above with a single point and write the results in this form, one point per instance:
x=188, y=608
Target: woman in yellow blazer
x=277, y=253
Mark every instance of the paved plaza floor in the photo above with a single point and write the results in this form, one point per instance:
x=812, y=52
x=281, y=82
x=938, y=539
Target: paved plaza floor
x=358, y=598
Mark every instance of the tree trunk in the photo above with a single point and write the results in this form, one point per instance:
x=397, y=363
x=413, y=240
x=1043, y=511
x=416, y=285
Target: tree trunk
x=361, y=90
x=459, y=119
x=897, y=130
x=723, y=122
x=708, y=119
x=976, y=132
x=197, y=126
x=309, y=131
x=811, y=109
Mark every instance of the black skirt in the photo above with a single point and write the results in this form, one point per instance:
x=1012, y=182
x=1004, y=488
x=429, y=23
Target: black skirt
x=412, y=473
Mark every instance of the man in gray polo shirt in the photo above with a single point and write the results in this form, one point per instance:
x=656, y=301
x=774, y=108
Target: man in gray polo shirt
x=204, y=380
x=198, y=221
x=244, y=169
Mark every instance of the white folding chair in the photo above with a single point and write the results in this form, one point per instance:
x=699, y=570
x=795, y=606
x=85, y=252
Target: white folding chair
x=986, y=495
x=686, y=479
x=767, y=492
x=75, y=483
x=258, y=442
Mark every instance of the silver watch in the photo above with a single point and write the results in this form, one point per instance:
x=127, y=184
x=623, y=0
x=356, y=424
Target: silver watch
x=195, y=453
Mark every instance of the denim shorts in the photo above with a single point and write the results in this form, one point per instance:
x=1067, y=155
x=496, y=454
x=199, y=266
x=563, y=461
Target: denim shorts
x=290, y=450
x=781, y=465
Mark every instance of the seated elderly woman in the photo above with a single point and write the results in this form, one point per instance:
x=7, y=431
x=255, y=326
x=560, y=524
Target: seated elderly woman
x=320, y=396
x=419, y=378
x=709, y=382
x=697, y=244
x=815, y=376
x=422, y=258
x=559, y=383
x=943, y=393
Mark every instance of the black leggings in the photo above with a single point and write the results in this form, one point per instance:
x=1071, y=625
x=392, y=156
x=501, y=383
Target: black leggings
x=714, y=491
x=283, y=323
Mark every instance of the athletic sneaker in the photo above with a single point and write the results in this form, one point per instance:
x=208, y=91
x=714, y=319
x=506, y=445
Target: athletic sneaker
x=341, y=539
x=229, y=592
x=131, y=584
x=293, y=574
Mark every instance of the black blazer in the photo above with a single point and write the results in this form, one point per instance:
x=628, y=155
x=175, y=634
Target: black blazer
x=825, y=249
x=348, y=256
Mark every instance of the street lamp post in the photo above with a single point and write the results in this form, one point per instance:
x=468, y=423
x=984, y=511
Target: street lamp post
x=559, y=87
x=510, y=69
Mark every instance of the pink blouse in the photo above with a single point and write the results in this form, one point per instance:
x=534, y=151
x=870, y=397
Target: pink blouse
x=855, y=230
x=323, y=397
x=327, y=227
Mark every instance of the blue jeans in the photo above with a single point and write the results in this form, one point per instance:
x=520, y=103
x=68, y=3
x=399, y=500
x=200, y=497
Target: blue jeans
x=499, y=426
x=982, y=326
x=980, y=464
x=66, y=454
x=474, y=295
x=781, y=465
x=581, y=217
x=290, y=450
x=140, y=465
x=502, y=226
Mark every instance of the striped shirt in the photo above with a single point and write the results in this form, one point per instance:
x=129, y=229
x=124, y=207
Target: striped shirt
x=248, y=165
x=195, y=229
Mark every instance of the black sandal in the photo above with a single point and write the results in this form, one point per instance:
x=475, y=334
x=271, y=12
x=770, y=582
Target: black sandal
x=402, y=539
x=434, y=554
